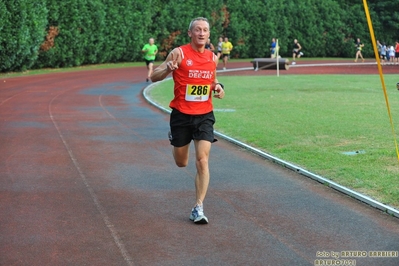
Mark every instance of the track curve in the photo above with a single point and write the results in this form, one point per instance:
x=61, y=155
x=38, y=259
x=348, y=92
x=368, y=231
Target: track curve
x=87, y=178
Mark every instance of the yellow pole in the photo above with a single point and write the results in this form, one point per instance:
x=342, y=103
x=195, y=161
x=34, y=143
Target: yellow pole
x=366, y=9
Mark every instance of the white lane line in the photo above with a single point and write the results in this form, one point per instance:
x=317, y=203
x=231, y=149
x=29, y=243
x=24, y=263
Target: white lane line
x=100, y=208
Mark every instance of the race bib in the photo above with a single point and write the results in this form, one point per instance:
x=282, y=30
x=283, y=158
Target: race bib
x=197, y=93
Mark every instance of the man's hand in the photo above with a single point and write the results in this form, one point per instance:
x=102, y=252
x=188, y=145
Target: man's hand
x=169, y=65
x=172, y=65
x=219, y=91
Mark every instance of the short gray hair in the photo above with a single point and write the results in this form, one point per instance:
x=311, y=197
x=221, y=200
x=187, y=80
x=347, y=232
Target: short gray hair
x=190, y=27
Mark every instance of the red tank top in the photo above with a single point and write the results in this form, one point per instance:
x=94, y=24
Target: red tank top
x=193, y=80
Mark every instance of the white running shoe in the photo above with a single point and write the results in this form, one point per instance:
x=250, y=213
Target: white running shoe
x=293, y=63
x=301, y=53
x=197, y=215
x=224, y=68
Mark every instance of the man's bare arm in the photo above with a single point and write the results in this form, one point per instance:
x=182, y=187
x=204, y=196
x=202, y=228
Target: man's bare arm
x=217, y=88
x=171, y=63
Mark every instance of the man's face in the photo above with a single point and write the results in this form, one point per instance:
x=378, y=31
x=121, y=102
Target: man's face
x=151, y=41
x=200, y=33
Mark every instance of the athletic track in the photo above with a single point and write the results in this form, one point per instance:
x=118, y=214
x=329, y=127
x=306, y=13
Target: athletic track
x=87, y=178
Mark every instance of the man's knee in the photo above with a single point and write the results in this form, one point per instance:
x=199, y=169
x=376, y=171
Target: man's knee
x=181, y=163
x=202, y=163
x=181, y=156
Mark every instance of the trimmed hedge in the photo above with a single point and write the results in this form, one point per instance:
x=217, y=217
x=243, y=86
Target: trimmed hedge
x=53, y=34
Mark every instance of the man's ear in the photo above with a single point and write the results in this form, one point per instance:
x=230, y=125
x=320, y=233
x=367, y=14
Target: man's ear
x=189, y=33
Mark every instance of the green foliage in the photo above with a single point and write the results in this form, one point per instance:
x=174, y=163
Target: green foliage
x=21, y=33
x=388, y=20
x=52, y=33
x=126, y=22
x=170, y=21
x=92, y=31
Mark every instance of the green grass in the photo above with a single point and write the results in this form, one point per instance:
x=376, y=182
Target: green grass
x=312, y=120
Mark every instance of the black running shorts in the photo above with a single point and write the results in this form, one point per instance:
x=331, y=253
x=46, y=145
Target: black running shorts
x=147, y=62
x=185, y=128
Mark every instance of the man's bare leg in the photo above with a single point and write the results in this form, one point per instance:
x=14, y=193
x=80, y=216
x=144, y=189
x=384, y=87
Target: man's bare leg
x=180, y=154
x=202, y=177
x=202, y=149
x=150, y=70
x=224, y=62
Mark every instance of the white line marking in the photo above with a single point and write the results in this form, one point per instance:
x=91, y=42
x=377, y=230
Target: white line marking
x=100, y=208
x=334, y=64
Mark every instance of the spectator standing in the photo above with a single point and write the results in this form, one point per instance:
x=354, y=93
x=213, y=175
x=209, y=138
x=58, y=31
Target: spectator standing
x=391, y=55
x=379, y=48
x=397, y=52
x=383, y=53
x=273, y=48
x=387, y=53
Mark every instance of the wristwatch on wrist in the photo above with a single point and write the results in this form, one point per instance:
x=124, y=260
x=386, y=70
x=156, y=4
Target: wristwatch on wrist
x=221, y=85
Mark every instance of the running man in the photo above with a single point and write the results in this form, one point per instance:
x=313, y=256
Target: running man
x=296, y=51
x=194, y=74
x=209, y=45
x=150, y=50
x=359, y=46
x=220, y=47
x=226, y=49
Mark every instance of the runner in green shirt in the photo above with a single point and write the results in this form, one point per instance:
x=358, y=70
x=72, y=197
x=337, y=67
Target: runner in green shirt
x=150, y=50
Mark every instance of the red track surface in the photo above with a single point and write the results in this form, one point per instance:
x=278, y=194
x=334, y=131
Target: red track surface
x=87, y=178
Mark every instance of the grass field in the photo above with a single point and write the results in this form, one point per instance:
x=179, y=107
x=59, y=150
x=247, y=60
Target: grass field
x=313, y=121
